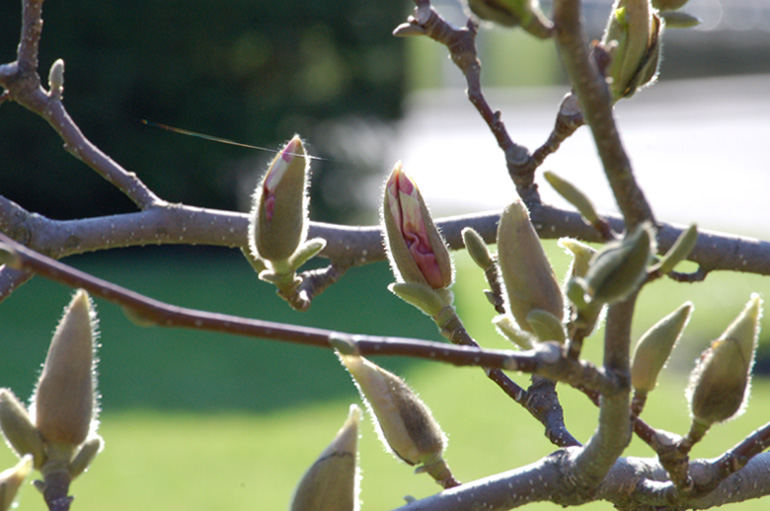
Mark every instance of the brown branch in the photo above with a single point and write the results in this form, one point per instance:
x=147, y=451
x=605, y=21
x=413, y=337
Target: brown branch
x=461, y=43
x=596, y=105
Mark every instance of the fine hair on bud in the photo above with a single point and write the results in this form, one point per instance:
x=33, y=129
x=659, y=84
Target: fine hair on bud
x=278, y=220
x=331, y=482
x=64, y=405
x=719, y=384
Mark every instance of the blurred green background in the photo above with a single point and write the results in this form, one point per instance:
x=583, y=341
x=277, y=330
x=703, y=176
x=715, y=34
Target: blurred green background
x=202, y=421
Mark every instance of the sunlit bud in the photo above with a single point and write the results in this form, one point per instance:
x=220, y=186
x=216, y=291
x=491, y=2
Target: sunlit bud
x=511, y=13
x=620, y=267
x=678, y=251
x=19, y=431
x=330, y=484
x=64, y=403
x=632, y=37
x=476, y=247
x=546, y=326
x=581, y=255
x=85, y=455
x=719, y=383
x=428, y=300
x=507, y=328
x=56, y=78
x=679, y=19
x=404, y=423
x=654, y=347
x=278, y=222
x=668, y=5
x=416, y=250
x=527, y=275
x=573, y=195
x=11, y=480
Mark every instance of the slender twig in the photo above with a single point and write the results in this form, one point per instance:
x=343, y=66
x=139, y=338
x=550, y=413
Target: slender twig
x=22, y=81
x=461, y=43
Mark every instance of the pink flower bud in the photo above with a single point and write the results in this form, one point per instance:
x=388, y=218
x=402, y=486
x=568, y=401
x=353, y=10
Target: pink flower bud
x=416, y=249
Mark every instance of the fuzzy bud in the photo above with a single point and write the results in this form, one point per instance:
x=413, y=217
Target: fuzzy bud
x=404, y=423
x=574, y=196
x=654, y=347
x=278, y=222
x=330, y=484
x=678, y=251
x=679, y=19
x=85, y=455
x=56, y=78
x=11, y=480
x=546, y=326
x=527, y=275
x=632, y=37
x=719, y=382
x=620, y=267
x=511, y=13
x=507, y=328
x=19, y=431
x=477, y=249
x=64, y=403
x=416, y=250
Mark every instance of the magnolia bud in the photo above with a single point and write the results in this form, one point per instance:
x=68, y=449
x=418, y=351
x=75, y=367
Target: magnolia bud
x=679, y=19
x=654, y=347
x=19, y=431
x=11, y=480
x=330, y=484
x=546, y=326
x=526, y=273
x=64, y=403
x=278, y=222
x=678, y=251
x=56, y=78
x=476, y=247
x=719, y=382
x=668, y=5
x=573, y=195
x=510, y=13
x=507, y=328
x=632, y=38
x=415, y=248
x=404, y=423
x=85, y=455
x=620, y=267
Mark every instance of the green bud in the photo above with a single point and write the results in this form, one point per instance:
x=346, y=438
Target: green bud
x=573, y=195
x=719, y=383
x=331, y=482
x=546, y=326
x=631, y=37
x=278, y=222
x=678, y=251
x=526, y=273
x=428, y=300
x=85, y=455
x=306, y=251
x=511, y=13
x=654, y=347
x=64, y=403
x=581, y=256
x=477, y=248
x=679, y=19
x=19, y=431
x=507, y=328
x=11, y=480
x=620, y=267
x=668, y=5
x=56, y=78
x=404, y=423
x=416, y=250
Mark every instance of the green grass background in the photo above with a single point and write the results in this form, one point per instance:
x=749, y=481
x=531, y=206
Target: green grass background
x=201, y=421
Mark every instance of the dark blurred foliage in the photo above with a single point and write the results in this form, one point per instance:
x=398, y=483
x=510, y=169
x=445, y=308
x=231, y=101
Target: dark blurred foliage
x=254, y=70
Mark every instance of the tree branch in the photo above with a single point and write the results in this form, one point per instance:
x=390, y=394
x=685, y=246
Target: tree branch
x=594, y=98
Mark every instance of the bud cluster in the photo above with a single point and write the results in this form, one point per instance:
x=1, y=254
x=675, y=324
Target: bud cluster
x=58, y=432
